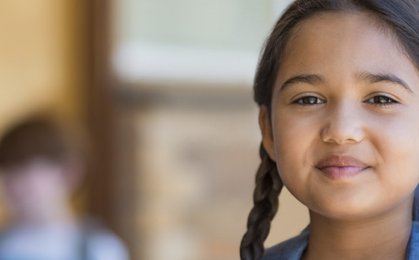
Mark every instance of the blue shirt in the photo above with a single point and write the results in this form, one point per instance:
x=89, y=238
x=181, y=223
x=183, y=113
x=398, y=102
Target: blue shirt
x=293, y=248
x=61, y=242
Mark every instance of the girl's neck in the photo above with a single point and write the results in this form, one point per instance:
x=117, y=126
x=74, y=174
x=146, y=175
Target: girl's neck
x=381, y=237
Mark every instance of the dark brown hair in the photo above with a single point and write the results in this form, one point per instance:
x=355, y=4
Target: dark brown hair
x=37, y=137
x=401, y=17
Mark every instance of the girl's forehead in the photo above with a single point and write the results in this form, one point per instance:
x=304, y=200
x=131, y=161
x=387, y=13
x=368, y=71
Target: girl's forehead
x=338, y=43
x=341, y=28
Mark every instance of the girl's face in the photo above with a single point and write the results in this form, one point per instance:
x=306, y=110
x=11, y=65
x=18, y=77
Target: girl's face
x=344, y=127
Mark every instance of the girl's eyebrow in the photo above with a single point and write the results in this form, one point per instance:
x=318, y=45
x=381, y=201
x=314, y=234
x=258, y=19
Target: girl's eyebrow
x=383, y=77
x=313, y=79
x=303, y=78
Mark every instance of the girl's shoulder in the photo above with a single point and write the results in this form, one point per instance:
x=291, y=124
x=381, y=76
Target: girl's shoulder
x=291, y=249
x=413, y=248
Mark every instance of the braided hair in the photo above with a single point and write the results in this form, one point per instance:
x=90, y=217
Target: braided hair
x=265, y=199
x=399, y=17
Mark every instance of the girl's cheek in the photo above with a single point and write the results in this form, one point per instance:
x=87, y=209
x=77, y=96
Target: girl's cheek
x=399, y=130
x=290, y=124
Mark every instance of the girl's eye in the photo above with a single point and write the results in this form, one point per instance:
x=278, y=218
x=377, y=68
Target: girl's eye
x=381, y=100
x=308, y=100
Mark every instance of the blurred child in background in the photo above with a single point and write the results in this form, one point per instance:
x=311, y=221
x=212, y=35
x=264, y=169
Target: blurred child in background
x=41, y=167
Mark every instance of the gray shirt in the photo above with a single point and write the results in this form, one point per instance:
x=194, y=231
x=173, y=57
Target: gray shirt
x=294, y=248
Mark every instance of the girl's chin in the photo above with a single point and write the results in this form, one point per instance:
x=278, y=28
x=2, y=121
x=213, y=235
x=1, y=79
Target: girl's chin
x=343, y=212
x=342, y=216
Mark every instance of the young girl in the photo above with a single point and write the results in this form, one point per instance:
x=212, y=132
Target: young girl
x=338, y=91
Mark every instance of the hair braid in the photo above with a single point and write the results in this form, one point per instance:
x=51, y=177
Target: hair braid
x=265, y=199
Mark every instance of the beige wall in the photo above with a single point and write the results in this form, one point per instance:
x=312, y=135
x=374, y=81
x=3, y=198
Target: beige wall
x=196, y=162
x=38, y=57
x=40, y=52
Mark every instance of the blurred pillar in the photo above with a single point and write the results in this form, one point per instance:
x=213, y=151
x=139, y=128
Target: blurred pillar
x=112, y=179
x=110, y=183
x=99, y=113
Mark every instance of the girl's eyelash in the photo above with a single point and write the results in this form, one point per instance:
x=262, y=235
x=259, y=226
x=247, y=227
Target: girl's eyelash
x=381, y=100
x=308, y=101
x=377, y=100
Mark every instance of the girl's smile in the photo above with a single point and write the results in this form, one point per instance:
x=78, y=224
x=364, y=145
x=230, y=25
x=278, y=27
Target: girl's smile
x=344, y=123
x=341, y=167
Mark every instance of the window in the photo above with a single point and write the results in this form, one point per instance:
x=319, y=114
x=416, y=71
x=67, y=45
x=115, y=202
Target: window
x=190, y=41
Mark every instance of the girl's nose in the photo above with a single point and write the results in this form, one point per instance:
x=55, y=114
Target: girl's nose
x=343, y=126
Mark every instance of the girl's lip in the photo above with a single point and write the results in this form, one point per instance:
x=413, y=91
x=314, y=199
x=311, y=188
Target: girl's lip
x=340, y=173
x=340, y=161
x=341, y=167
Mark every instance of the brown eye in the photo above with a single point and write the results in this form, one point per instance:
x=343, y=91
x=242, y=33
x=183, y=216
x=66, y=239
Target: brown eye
x=381, y=100
x=308, y=100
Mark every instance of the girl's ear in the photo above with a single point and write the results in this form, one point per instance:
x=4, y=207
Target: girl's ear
x=266, y=129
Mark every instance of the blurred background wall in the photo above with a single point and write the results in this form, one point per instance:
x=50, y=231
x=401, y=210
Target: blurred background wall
x=183, y=70
x=164, y=89
x=48, y=66
x=42, y=60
